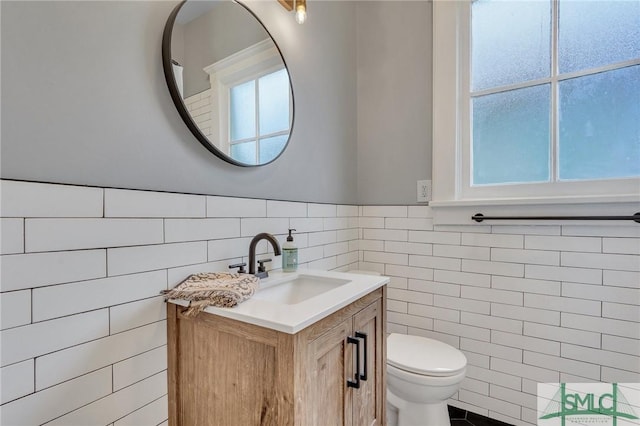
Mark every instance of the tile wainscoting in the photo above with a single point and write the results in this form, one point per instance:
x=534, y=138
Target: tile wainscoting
x=83, y=328
x=526, y=304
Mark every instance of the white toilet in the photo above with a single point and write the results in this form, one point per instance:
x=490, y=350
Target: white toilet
x=422, y=374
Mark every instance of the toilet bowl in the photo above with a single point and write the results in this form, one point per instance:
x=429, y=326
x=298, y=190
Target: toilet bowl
x=422, y=374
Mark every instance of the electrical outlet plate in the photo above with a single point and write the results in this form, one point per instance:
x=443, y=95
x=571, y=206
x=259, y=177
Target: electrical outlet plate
x=424, y=191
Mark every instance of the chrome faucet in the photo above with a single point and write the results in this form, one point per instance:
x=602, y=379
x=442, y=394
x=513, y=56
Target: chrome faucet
x=262, y=272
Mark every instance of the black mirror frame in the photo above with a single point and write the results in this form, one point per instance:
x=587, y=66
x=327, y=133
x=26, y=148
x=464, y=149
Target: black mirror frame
x=179, y=103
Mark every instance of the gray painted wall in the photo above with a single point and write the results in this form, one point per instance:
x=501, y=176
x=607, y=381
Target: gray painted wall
x=394, y=99
x=84, y=101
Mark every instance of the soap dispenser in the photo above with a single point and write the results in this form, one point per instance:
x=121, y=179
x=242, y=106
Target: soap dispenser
x=289, y=254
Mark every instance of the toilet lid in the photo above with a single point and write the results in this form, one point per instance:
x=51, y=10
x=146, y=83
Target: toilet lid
x=425, y=356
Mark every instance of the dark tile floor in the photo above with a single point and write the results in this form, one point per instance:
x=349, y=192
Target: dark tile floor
x=461, y=417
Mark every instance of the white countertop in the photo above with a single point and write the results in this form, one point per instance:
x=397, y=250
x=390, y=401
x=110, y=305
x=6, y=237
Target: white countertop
x=293, y=318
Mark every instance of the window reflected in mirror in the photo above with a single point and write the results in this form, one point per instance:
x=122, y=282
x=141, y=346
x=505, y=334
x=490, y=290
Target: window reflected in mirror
x=229, y=81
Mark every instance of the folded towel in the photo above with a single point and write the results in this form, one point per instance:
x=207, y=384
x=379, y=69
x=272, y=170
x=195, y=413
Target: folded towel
x=222, y=289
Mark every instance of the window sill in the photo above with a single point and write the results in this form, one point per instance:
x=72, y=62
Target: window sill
x=459, y=212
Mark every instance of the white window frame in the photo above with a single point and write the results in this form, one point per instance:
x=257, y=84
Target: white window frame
x=251, y=63
x=454, y=201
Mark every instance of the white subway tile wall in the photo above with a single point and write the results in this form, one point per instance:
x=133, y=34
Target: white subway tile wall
x=526, y=304
x=83, y=328
x=203, y=111
x=82, y=324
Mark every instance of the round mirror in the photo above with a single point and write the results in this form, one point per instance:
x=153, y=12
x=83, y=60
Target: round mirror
x=228, y=80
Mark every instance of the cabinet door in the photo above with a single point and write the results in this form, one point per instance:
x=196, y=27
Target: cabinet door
x=226, y=373
x=330, y=363
x=368, y=400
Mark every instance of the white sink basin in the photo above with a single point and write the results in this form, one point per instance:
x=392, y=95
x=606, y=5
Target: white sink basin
x=298, y=289
x=289, y=302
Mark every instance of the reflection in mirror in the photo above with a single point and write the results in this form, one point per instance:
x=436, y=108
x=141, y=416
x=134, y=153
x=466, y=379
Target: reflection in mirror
x=228, y=81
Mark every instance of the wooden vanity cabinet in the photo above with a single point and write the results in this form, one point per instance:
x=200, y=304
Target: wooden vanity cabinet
x=226, y=372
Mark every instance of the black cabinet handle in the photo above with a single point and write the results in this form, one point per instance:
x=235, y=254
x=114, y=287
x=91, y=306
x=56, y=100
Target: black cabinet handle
x=356, y=383
x=363, y=336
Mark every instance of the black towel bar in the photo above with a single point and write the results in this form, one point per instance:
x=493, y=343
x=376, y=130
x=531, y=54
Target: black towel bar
x=479, y=217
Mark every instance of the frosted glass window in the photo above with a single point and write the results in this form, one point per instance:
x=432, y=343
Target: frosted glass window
x=274, y=102
x=511, y=42
x=530, y=123
x=270, y=148
x=597, y=33
x=511, y=136
x=600, y=125
x=243, y=111
x=244, y=152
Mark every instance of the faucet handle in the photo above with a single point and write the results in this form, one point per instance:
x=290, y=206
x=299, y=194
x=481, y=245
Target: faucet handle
x=241, y=266
x=261, y=263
